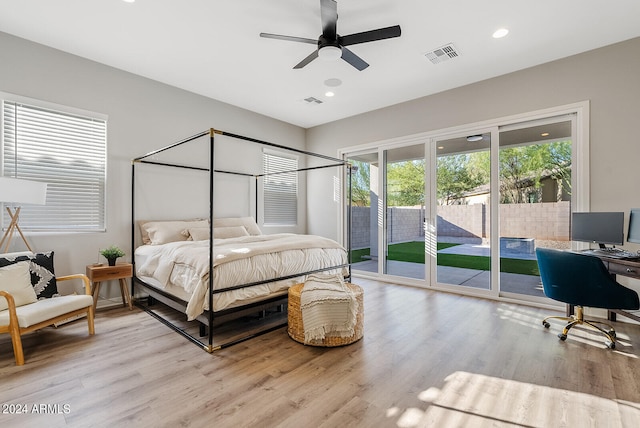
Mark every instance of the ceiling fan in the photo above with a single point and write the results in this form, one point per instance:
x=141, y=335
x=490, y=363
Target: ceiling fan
x=331, y=45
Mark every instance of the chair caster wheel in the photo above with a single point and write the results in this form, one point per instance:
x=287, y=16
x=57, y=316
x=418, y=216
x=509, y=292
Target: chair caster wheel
x=546, y=324
x=611, y=345
x=612, y=333
x=562, y=336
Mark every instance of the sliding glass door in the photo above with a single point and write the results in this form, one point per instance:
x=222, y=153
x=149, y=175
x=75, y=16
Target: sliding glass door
x=404, y=213
x=463, y=211
x=535, y=199
x=388, y=211
x=466, y=210
x=365, y=205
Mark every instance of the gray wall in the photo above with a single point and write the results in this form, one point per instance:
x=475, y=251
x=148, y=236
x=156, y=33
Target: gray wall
x=608, y=77
x=143, y=115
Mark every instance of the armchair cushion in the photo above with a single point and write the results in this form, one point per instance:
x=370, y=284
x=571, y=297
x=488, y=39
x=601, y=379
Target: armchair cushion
x=46, y=309
x=14, y=279
x=43, y=277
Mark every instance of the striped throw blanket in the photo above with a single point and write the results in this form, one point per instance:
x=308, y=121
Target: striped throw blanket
x=328, y=307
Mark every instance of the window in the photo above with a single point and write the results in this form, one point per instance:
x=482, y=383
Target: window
x=65, y=149
x=280, y=188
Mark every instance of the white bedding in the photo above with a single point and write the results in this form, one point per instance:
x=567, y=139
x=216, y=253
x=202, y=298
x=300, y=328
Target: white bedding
x=237, y=261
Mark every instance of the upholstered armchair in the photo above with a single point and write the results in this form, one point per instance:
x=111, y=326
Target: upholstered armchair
x=21, y=311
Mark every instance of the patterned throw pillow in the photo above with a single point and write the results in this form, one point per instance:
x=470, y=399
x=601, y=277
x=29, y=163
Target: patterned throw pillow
x=43, y=278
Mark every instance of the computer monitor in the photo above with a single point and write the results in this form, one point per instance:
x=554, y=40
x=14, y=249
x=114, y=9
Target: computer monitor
x=598, y=228
x=633, y=234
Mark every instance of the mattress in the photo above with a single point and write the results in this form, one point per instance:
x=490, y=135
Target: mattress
x=181, y=268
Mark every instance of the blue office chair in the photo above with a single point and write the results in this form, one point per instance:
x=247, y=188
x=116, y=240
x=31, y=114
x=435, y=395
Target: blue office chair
x=582, y=280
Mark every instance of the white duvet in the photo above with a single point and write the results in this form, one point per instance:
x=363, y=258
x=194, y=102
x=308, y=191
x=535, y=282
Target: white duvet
x=242, y=260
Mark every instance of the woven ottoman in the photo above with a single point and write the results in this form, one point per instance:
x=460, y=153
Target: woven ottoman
x=296, y=329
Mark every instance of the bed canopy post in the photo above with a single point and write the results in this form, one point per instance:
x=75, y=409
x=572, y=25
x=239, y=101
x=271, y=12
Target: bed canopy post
x=133, y=223
x=349, y=199
x=256, y=204
x=209, y=348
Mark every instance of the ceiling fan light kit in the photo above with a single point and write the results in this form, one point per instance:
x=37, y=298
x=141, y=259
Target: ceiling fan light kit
x=330, y=45
x=330, y=53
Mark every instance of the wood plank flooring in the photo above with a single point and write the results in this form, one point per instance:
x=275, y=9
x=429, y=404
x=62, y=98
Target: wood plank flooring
x=427, y=359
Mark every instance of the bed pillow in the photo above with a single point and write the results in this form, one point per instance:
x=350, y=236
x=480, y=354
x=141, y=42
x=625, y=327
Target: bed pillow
x=15, y=280
x=144, y=233
x=43, y=278
x=248, y=222
x=162, y=232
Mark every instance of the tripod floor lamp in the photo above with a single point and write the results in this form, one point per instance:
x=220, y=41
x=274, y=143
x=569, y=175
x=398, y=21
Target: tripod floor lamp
x=15, y=192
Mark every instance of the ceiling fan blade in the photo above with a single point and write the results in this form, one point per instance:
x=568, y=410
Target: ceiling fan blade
x=329, y=16
x=370, y=36
x=289, y=38
x=354, y=59
x=313, y=55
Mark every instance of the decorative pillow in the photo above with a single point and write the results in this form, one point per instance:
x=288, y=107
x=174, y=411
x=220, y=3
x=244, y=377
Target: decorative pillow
x=248, y=222
x=199, y=233
x=15, y=280
x=202, y=233
x=196, y=233
x=162, y=232
x=43, y=277
x=229, y=232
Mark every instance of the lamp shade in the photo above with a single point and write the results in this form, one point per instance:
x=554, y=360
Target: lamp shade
x=20, y=191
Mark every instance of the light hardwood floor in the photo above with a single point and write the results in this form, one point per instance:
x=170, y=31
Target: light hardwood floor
x=427, y=359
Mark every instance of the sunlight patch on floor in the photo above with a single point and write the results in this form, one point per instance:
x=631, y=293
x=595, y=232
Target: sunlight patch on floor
x=469, y=399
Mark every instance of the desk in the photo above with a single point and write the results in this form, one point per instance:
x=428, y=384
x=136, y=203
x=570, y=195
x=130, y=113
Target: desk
x=121, y=272
x=628, y=268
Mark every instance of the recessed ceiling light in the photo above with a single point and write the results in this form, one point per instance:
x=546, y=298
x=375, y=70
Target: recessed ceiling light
x=333, y=82
x=472, y=138
x=129, y=1
x=329, y=94
x=500, y=33
x=440, y=147
x=544, y=134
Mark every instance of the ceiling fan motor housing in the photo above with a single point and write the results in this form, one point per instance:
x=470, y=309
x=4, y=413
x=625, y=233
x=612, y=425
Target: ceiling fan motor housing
x=329, y=49
x=332, y=46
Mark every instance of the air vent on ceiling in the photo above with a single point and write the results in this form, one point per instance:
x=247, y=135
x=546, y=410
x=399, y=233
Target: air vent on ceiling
x=441, y=54
x=312, y=100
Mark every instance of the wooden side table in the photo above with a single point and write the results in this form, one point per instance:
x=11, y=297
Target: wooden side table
x=98, y=274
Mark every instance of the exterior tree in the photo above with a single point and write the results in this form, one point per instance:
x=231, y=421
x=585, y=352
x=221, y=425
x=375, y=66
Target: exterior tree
x=459, y=174
x=522, y=168
x=360, y=184
x=405, y=183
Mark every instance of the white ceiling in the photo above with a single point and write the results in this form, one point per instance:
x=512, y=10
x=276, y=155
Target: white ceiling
x=213, y=48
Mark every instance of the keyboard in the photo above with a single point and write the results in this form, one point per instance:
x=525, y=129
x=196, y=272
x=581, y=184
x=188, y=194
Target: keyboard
x=614, y=253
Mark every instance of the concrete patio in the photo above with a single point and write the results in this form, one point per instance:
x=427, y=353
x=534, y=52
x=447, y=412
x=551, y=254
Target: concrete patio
x=509, y=282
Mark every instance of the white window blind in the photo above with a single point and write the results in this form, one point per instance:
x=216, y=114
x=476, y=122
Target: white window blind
x=280, y=189
x=68, y=152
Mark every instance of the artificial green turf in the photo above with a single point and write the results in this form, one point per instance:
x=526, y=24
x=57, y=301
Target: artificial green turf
x=359, y=255
x=414, y=252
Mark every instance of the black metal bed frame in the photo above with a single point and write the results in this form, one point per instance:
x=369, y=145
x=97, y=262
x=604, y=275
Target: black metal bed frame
x=209, y=316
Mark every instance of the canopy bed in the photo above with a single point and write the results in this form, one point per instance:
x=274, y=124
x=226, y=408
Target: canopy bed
x=252, y=271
